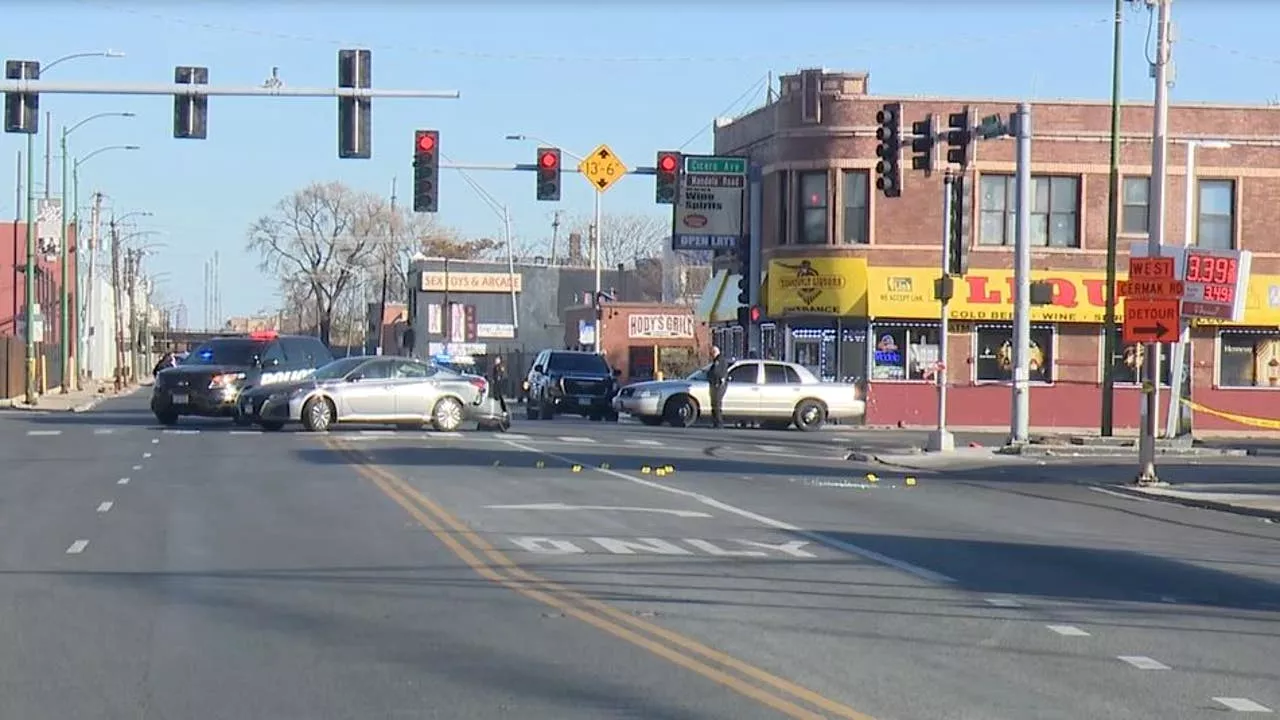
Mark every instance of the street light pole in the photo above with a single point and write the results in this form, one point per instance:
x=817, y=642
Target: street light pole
x=70, y=355
x=30, y=270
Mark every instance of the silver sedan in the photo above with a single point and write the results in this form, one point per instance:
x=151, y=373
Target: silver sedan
x=775, y=394
x=371, y=390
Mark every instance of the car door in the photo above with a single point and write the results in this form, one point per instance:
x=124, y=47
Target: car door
x=415, y=388
x=368, y=393
x=780, y=391
x=742, y=392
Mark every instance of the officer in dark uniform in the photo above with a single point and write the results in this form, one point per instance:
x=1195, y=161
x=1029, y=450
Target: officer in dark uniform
x=717, y=378
x=498, y=381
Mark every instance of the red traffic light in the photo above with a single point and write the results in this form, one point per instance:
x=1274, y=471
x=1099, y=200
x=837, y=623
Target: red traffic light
x=667, y=163
x=426, y=141
x=548, y=160
x=755, y=313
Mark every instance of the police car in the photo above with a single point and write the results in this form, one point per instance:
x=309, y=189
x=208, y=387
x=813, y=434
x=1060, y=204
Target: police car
x=212, y=377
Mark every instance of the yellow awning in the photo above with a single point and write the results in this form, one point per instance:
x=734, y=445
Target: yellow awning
x=711, y=296
x=726, y=309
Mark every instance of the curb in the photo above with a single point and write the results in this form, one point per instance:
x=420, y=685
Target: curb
x=82, y=407
x=1201, y=504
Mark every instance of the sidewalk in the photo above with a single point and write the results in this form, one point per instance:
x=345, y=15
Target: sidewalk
x=1259, y=499
x=90, y=394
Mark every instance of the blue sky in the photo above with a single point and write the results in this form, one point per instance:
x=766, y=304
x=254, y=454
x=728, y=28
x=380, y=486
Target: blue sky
x=641, y=77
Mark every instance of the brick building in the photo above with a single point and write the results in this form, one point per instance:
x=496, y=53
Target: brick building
x=13, y=303
x=870, y=314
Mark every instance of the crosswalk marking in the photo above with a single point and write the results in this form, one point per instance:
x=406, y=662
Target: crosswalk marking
x=646, y=443
x=445, y=434
x=43, y=433
x=572, y=439
x=181, y=432
x=103, y=431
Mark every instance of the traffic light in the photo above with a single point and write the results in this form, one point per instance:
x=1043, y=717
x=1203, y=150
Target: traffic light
x=958, y=240
x=355, y=115
x=426, y=171
x=549, y=174
x=749, y=315
x=888, y=172
x=960, y=137
x=744, y=287
x=22, y=110
x=922, y=145
x=668, y=172
x=190, y=112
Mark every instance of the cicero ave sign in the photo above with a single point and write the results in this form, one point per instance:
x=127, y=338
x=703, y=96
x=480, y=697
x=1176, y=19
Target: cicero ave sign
x=655, y=327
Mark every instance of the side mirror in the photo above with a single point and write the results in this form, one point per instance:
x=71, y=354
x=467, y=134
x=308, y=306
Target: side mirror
x=354, y=378
x=539, y=369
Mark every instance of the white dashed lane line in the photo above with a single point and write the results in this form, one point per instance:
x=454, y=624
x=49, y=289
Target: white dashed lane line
x=181, y=432
x=103, y=431
x=43, y=433
x=137, y=467
x=1003, y=602
x=572, y=439
x=646, y=443
x=77, y=547
x=105, y=506
x=1240, y=704
x=246, y=432
x=146, y=455
x=1068, y=630
x=1142, y=662
x=155, y=441
x=122, y=481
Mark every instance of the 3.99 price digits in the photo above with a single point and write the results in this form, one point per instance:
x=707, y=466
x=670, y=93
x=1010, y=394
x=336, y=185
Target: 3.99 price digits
x=1211, y=269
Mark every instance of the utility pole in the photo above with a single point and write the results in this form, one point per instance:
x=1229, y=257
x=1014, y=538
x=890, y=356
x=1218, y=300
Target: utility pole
x=386, y=269
x=1113, y=230
x=91, y=292
x=48, y=157
x=555, y=235
x=1020, y=420
x=117, y=296
x=1155, y=242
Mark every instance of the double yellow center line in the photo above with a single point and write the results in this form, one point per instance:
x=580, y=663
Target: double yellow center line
x=786, y=697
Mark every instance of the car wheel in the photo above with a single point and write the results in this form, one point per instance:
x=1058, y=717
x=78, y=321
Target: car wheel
x=272, y=425
x=809, y=415
x=446, y=416
x=530, y=411
x=241, y=420
x=167, y=417
x=651, y=420
x=546, y=410
x=317, y=415
x=611, y=416
x=680, y=412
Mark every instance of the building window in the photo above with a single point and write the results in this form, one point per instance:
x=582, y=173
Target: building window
x=813, y=208
x=1216, y=226
x=1135, y=208
x=784, y=201
x=857, y=218
x=904, y=352
x=1055, y=211
x=1248, y=359
x=1126, y=362
x=994, y=353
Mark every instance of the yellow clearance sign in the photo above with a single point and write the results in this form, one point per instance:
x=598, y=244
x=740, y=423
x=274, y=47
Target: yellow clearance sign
x=983, y=294
x=817, y=286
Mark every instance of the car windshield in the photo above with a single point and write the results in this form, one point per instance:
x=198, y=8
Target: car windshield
x=338, y=369
x=578, y=363
x=236, y=352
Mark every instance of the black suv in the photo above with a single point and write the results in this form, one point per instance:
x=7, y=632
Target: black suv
x=208, y=382
x=566, y=381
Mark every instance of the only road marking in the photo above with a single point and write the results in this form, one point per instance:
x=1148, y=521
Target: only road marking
x=562, y=506
x=77, y=547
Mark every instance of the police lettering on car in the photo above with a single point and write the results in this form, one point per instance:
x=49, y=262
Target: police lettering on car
x=285, y=376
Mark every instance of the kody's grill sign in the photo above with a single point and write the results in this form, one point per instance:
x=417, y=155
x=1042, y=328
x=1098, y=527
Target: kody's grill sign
x=653, y=327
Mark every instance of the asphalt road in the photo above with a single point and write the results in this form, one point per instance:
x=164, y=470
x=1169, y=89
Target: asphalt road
x=570, y=569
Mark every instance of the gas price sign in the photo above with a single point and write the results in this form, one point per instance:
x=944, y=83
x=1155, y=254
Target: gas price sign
x=1216, y=282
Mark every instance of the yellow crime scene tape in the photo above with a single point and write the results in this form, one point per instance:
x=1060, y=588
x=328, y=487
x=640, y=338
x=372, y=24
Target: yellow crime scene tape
x=1249, y=420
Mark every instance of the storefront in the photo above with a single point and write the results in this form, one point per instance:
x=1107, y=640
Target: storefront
x=643, y=340
x=853, y=321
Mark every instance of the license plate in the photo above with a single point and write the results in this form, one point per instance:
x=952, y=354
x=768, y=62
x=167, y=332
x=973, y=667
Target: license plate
x=179, y=399
x=584, y=401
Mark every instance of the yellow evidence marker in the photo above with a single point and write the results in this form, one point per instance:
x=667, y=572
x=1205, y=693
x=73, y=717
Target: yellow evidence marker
x=910, y=481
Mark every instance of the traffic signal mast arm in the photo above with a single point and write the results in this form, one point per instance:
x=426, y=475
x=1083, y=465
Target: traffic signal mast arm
x=74, y=88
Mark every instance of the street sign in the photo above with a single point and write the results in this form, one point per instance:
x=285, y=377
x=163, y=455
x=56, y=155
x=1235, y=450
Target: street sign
x=602, y=168
x=709, y=204
x=1152, y=289
x=1152, y=268
x=1151, y=321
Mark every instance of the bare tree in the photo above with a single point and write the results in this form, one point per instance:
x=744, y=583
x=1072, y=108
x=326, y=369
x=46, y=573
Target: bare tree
x=625, y=236
x=323, y=235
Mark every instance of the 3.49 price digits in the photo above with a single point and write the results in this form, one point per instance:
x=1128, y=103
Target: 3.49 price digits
x=1210, y=269
x=1225, y=294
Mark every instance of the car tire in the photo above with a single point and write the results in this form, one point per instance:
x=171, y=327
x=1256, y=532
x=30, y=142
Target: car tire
x=317, y=415
x=809, y=415
x=530, y=411
x=241, y=420
x=167, y=417
x=446, y=416
x=546, y=410
x=272, y=425
x=680, y=411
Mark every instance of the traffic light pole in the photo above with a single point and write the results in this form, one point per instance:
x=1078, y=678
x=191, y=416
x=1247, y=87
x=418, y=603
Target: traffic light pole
x=74, y=88
x=1019, y=416
x=755, y=222
x=941, y=439
x=597, y=246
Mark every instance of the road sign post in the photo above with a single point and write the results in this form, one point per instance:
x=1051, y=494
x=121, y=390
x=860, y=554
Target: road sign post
x=1152, y=316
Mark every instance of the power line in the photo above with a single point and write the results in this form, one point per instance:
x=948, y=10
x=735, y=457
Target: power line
x=755, y=88
x=1021, y=34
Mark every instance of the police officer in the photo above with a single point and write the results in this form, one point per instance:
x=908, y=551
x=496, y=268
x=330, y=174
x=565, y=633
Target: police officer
x=717, y=378
x=498, y=381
